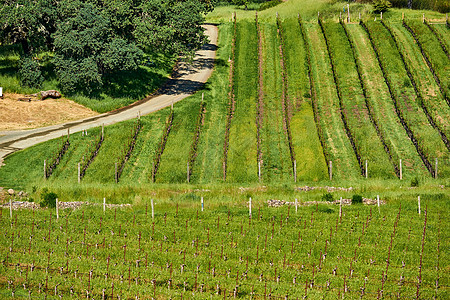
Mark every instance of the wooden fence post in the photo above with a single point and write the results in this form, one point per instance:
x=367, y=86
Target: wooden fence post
x=367, y=170
x=259, y=170
x=79, y=173
x=378, y=203
x=295, y=171
x=188, y=172
x=115, y=173
x=45, y=169
x=418, y=202
x=330, y=170
x=103, y=130
x=348, y=13
x=401, y=170
x=153, y=210
x=436, y=169
x=381, y=16
x=202, y=203
x=104, y=205
x=57, y=209
x=10, y=208
x=250, y=207
x=340, y=208
x=68, y=133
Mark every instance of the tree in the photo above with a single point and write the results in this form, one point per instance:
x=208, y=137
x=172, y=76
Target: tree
x=88, y=48
x=172, y=26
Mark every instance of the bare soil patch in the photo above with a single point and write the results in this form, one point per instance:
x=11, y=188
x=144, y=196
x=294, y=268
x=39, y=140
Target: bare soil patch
x=15, y=114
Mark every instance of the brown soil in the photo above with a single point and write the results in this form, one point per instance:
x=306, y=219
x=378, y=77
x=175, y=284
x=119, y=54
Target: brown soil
x=16, y=114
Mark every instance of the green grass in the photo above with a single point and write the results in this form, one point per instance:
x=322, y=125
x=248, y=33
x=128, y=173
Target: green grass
x=276, y=242
x=354, y=107
x=277, y=165
x=208, y=165
x=242, y=156
x=173, y=167
x=337, y=144
x=428, y=138
x=429, y=90
x=439, y=60
x=311, y=164
x=444, y=34
x=383, y=111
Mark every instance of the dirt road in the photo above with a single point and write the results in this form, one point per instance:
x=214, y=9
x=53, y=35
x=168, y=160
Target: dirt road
x=188, y=79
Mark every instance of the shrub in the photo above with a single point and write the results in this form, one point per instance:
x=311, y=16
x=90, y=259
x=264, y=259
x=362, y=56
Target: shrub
x=48, y=199
x=327, y=197
x=357, y=199
x=30, y=73
x=415, y=182
x=381, y=6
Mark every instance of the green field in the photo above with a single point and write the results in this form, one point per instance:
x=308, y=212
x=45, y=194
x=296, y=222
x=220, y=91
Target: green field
x=220, y=252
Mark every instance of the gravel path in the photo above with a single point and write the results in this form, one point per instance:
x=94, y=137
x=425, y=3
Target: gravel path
x=188, y=79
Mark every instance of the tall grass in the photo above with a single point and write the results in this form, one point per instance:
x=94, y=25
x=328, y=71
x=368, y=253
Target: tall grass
x=382, y=106
x=428, y=141
x=337, y=145
x=353, y=104
x=274, y=143
x=242, y=156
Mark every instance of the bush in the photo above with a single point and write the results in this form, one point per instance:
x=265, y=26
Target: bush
x=30, y=73
x=357, y=199
x=327, y=197
x=48, y=199
x=381, y=6
x=415, y=182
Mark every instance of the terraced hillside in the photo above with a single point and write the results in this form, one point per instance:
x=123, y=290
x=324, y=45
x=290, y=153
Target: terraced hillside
x=289, y=100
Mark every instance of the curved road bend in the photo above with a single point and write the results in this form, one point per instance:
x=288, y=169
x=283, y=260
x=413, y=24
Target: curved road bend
x=188, y=79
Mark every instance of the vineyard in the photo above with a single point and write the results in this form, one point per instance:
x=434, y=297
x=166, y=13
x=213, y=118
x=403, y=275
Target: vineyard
x=297, y=107
x=181, y=251
x=290, y=101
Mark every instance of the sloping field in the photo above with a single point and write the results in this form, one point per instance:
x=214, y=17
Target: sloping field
x=292, y=94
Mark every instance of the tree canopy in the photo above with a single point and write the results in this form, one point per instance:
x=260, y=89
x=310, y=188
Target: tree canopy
x=92, y=38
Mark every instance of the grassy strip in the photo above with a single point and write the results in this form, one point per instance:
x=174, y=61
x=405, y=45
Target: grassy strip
x=139, y=166
x=436, y=59
x=260, y=103
x=311, y=165
x=198, y=129
x=287, y=104
x=337, y=147
x=274, y=144
x=354, y=104
x=370, y=109
x=439, y=38
x=90, y=154
x=209, y=163
x=53, y=162
x=174, y=159
x=232, y=99
x=242, y=156
x=443, y=32
x=162, y=145
x=310, y=91
x=382, y=108
x=341, y=105
x=129, y=147
x=429, y=98
x=425, y=138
